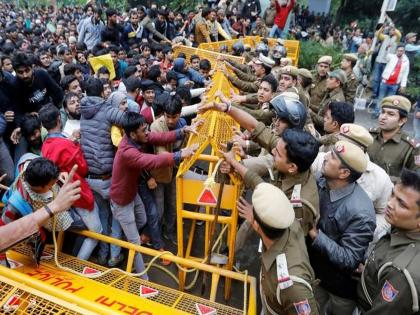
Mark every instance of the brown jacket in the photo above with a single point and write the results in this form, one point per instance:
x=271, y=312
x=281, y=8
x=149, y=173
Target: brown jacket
x=201, y=31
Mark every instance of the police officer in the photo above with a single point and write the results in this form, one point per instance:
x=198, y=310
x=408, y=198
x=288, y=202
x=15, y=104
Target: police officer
x=304, y=80
x=347, y=64
x=319, y=86
x=344, y=230
x=392, y=148
x=262, y=67
x=286, y=276
x=293, y=153
x=375, y=181
x=335, y=82
x=390, y=281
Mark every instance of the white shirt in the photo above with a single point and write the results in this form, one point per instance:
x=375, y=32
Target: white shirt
x=71, y=125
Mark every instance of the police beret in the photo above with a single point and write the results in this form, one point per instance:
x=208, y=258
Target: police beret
x=351, y=156
x=325, y=59
x=357, y=134
x=272, y=206
x=286, y=61
x=264, y=60
x=350, y=57
x=339, y=75
x=305, y=73
x=290, y=70
x=397, y=102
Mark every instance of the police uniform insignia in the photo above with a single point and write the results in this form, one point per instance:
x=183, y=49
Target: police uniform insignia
x=388, y=292
x=283, y=277
x=295, y=199
x=302, y=307
x=339, y=148
x=345, y=129
x=396, y=102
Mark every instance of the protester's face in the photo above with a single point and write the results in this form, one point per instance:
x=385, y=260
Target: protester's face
x=171, y=120
x=205, y=73
x=68, y=57
x=89, y=11
x=107, y=90
x=332, y=83
x=389, y=119
x=137, y=74
x=281, y=162
x=74, y=87
x=73, y=107
x=402, y=210
x=140, y=135
x=103, y=76
x=114, y=57
x=146, y=52
x=134, y=19
x=122, y=55
x=400, y=51
x=43, y=189
x=79, y=75
x=195, y=64
x=191, y=38
x=35, y=140
x=212, y=16
x=265, y=94
x=113, y=19
x=330, y=126
x=172, y=83
x=149, y=96
x=258, y=69
x=323, y=68
x=81, y=57
x=286, y=81
x=24, y=74
x=7, y=65
x=123, y=106
x=170, y=55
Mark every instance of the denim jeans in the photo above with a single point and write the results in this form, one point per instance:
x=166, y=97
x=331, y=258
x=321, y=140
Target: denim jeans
x=275, y=32
x=165, y=195
x=132, y=218
x=110, y=225
x=377, y=78
x=153, y=226
x=93, y=223
x=384, y=91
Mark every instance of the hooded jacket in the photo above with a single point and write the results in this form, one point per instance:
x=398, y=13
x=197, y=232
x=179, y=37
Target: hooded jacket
x=190, y=75
x=95, y=129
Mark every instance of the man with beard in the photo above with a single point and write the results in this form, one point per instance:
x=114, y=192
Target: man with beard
x=36, y=88
x=72, y=110
x=132, y=31
x=392, y=148
x=318, y=88
x=112, y=31
x=31, y=136
x=70, y=83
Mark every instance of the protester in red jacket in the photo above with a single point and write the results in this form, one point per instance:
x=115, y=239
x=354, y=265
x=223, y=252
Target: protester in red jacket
x=130, y=161
x=65, y=154
x=283, y=8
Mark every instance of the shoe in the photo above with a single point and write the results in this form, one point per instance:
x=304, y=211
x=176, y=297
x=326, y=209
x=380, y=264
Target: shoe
x=164, y=262
x=112, y=262
x=145, y=240
x=171, y=237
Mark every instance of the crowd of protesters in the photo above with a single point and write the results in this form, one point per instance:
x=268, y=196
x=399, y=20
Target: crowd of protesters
x=323, y=194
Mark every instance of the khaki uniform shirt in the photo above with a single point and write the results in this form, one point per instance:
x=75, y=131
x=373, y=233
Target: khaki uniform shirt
x=350, y=87
x=318, y=90
x=301, y=186
x=384, y=288
x=392, y=155
x=328, y=141
x=335, y=95
x=244, y=86
x=299, y=297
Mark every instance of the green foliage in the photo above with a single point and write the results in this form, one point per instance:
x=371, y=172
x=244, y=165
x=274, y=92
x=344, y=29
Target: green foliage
x=413, y=86
x=310, y=51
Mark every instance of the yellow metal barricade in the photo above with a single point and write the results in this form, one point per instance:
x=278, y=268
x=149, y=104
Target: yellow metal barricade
x=292, y=46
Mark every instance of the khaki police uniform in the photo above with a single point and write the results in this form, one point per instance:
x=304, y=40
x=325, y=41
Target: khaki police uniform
x=335, y=95
x=390, y=281
x=319, y=86
x=286, y=275
x=350, y=87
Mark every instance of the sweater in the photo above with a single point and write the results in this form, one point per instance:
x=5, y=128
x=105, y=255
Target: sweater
x=282, y=14
x=131, y=159
x=65, y=154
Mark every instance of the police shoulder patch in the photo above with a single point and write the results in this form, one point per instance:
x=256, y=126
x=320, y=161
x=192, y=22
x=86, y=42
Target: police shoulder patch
x=302, y=307
x=388, y=292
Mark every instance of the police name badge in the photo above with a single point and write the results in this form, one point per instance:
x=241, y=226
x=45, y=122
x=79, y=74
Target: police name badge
x=295, y=199
x=283, y=277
